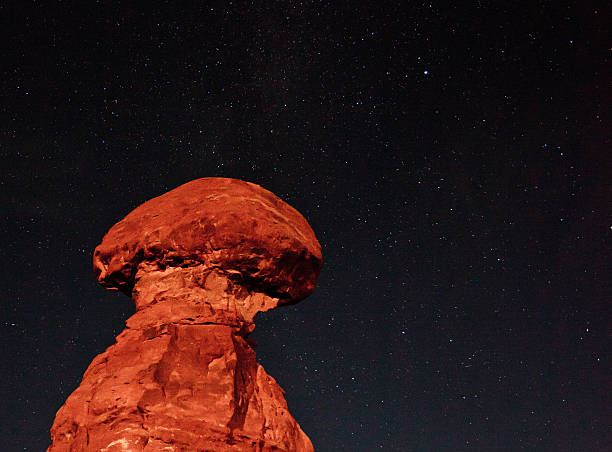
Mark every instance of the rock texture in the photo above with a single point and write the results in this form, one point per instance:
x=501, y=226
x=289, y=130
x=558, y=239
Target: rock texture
x=199, y=261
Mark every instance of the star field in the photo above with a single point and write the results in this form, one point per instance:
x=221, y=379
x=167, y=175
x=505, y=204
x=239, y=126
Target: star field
x=452, y=160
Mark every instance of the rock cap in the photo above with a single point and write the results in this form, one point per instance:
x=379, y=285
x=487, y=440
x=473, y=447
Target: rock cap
x=237, y=228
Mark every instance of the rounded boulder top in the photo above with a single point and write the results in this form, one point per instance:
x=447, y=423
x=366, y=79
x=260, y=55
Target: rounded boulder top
x=237, y=228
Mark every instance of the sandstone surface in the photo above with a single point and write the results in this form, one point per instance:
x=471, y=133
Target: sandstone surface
x=199, y=262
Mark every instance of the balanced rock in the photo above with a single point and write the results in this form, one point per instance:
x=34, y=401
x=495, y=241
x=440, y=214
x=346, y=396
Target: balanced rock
x=199, y=261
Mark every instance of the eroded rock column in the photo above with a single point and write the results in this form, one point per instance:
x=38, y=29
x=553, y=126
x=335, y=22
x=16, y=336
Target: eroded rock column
x=183, y=376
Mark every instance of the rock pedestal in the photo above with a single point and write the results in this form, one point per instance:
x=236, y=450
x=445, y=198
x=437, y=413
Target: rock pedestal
x=199, y=263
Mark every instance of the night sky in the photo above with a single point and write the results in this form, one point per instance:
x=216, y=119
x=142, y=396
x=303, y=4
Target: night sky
x=453, y=161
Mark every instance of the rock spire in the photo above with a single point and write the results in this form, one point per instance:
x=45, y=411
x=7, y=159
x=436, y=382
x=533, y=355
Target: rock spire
x=199, y=262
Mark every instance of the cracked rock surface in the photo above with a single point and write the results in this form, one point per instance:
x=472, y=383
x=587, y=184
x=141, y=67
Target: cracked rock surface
x=199, y=262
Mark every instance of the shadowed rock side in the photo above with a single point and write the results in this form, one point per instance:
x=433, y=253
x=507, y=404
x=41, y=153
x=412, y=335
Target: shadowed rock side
x=199, y=262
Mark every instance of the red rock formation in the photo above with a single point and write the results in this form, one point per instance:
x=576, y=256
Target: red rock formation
x=199, y=261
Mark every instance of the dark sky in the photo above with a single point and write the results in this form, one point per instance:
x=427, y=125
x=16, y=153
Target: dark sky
x=452, y=160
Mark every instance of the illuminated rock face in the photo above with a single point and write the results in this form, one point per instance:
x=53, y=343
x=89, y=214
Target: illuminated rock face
x=199, y=261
